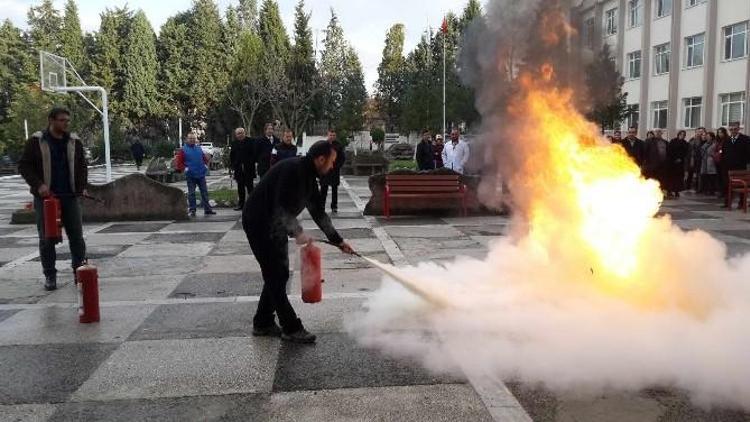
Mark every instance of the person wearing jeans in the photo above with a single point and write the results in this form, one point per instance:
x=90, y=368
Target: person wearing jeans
x=193, y=161
x=54, y=164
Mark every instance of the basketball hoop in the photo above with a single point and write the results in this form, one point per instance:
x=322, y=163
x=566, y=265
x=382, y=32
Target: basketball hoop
x=54, y=74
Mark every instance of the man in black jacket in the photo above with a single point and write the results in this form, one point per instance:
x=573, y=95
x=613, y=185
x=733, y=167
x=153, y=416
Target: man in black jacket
x=635, y=147
x=242, y=157
x=735, y=154
x=425, y=157
x=264, y=147
x=333, y=179
x=53, y=163
x=270, y=217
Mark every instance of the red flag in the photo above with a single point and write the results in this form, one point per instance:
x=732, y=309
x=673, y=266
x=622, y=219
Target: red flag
x=444, y=28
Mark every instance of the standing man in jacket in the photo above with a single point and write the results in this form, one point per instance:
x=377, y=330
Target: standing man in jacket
x=193, y=161
x=425, y=157
x=242, y=158
x=456, y=153
x=54, y=164
x=270, y=218
x=735, y=153
x=138, y=152
x=264, y=147
x=286, y=149
x=333, y=178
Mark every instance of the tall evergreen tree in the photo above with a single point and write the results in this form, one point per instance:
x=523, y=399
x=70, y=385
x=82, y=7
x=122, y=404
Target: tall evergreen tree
x=391, y=73
x=173, y=51
x=608, y=104
x=71, y=38
x=245, y=92
x=44, y=27
x=209, y=76
x=107, y=68
x=472, y=11
x=140, y=96
x=354, y=94
x=232, y=30
x=422, y=100
x=248, y=14
x=17, y=65
x=272, y=32
x=332, y=70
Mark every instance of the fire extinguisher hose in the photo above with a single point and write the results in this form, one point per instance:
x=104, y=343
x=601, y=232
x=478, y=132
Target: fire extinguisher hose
x=393, y=273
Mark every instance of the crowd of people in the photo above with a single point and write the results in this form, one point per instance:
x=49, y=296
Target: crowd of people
x=701, y=163
x=431, y=155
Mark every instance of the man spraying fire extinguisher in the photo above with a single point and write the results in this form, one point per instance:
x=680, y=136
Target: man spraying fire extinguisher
x=270, y=217
x=53, y=164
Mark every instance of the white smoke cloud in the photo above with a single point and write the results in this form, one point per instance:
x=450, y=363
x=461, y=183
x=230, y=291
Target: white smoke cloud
x=542, y=312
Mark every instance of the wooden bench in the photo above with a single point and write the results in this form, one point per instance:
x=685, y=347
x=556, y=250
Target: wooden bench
x=423, y=186
x=739, y=180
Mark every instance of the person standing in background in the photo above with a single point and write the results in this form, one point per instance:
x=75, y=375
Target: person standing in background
x=677, y=154
x=286, y=149
x=437, y=151
x=424, y=156
x=264, y=147
x=694, y=161
x=333, y=178
x=193, y=161
x=242, y=159
x=138, y=152
x=456, y=153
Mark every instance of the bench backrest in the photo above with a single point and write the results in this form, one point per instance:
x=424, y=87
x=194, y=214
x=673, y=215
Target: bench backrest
x=423, y=183
x=740, y=174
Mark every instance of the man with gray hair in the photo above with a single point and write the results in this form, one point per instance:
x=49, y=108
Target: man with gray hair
x=242, y=159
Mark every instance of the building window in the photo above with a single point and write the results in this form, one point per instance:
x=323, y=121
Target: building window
x=610, y=22
x=693, y=110
x=694, y=50
x=663, y=8
x=634, y=114
x=659, y=114
x=732, y=108
x=588, y=33
x=693, y=3
x=661, y=59
x=634, y=13
x=735, y=41
x=634, y=65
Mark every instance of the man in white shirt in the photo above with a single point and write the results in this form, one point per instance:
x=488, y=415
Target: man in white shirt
x=456, y=153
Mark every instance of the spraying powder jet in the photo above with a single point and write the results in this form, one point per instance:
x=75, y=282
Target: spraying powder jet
x=590, y=291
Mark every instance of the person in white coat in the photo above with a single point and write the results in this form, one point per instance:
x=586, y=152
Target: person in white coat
x=456, y=153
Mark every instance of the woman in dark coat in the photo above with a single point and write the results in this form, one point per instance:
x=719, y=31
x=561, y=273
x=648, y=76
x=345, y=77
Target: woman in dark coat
x=677, y=151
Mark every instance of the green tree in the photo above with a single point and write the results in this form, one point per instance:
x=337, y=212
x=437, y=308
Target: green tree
x=71, y=38
x=107, y=64
x=232, y=31
x=391, y=77
x=354, y=94
x=608, y=104
x=209, y=75
x=423, y=97
x=44, y=27
x=472, y=11
x=244, y=92
x=173, y=47
x=17, y=66
x=140, y=96
x=332, y=71
x=248, y=14
x=272, y=32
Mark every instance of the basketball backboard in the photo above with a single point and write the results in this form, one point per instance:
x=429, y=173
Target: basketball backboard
x=53, y=72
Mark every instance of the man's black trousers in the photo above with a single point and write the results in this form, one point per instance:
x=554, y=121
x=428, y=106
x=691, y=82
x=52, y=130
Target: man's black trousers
x=244, y=184
x=334, y=195
x=273, y=257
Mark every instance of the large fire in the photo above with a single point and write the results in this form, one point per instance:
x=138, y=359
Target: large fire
x=583, y=198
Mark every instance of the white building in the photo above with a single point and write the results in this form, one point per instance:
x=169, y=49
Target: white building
x=685, y=62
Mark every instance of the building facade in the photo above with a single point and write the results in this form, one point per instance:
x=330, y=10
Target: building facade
x=685, y=62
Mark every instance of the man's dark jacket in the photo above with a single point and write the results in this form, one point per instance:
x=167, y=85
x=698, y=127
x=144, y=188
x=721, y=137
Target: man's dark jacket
x=334, y=177
x=736, y=156
x=242, y=158
x=137, y=150
x=35, y=164
x=263, y=146
x=636, y=150
x=288, y=188
x=425, y=158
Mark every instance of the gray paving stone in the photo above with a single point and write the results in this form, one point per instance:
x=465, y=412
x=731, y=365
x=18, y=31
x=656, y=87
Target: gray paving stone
x=360, y=233
x=118, y=239
x=60, y=325
x=4, y=231
x=685, y=215
x=444, y=231
x=337, y=362
x=47, y=373
x=231, y=248
x=484, y=230
x=328, y=316
x=744, y=234
x=148, y=266
x=427, y=403
x=408, y=220
x=620, y=408
x=193, y=237
x=141, y=227
x=195, y=249
x=28, y=290
x=219, y=285
x=7, y=313
x=115, y=289
x=197, y=320
x=27, y=412
x=11, y=254
x=178, y=368
x=93, y=253
x=231, y=407
x=229, y=264
x=234, y=236
x=737, y=249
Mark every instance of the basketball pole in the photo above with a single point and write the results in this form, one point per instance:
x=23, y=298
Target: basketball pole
x=105, y=120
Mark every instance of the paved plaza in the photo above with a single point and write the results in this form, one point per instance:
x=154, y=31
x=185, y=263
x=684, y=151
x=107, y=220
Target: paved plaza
x=178, y=298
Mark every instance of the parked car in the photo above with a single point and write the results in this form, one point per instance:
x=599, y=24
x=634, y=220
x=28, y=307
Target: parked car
x=207, y=147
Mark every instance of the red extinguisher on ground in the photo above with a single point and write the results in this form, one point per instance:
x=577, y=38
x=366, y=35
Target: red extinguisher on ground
x=311, y=274
x=87, y=281
x=52, y=219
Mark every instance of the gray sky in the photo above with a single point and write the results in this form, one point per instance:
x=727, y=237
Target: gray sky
x=365, y=22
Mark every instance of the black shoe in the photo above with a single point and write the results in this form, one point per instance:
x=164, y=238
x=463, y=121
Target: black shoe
x=270, y=331
x=50, y=283
x=192, y=213
x=300, y=336
x=239, y=208
x=209, y=212
x=335, y=210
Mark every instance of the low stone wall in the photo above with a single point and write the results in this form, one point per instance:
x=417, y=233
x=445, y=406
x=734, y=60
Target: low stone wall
x=424, y=206
x=135, y=197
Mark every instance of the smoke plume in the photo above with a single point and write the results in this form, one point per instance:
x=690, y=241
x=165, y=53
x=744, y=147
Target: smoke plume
x=589, y=291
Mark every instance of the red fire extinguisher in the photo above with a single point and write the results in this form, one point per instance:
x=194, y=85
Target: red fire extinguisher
x=52, y=219
x=87, y=281
x=311, y=273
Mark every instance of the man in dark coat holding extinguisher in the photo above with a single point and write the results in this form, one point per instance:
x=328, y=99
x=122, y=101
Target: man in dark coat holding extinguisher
x=270, y=218
x=53, y=163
